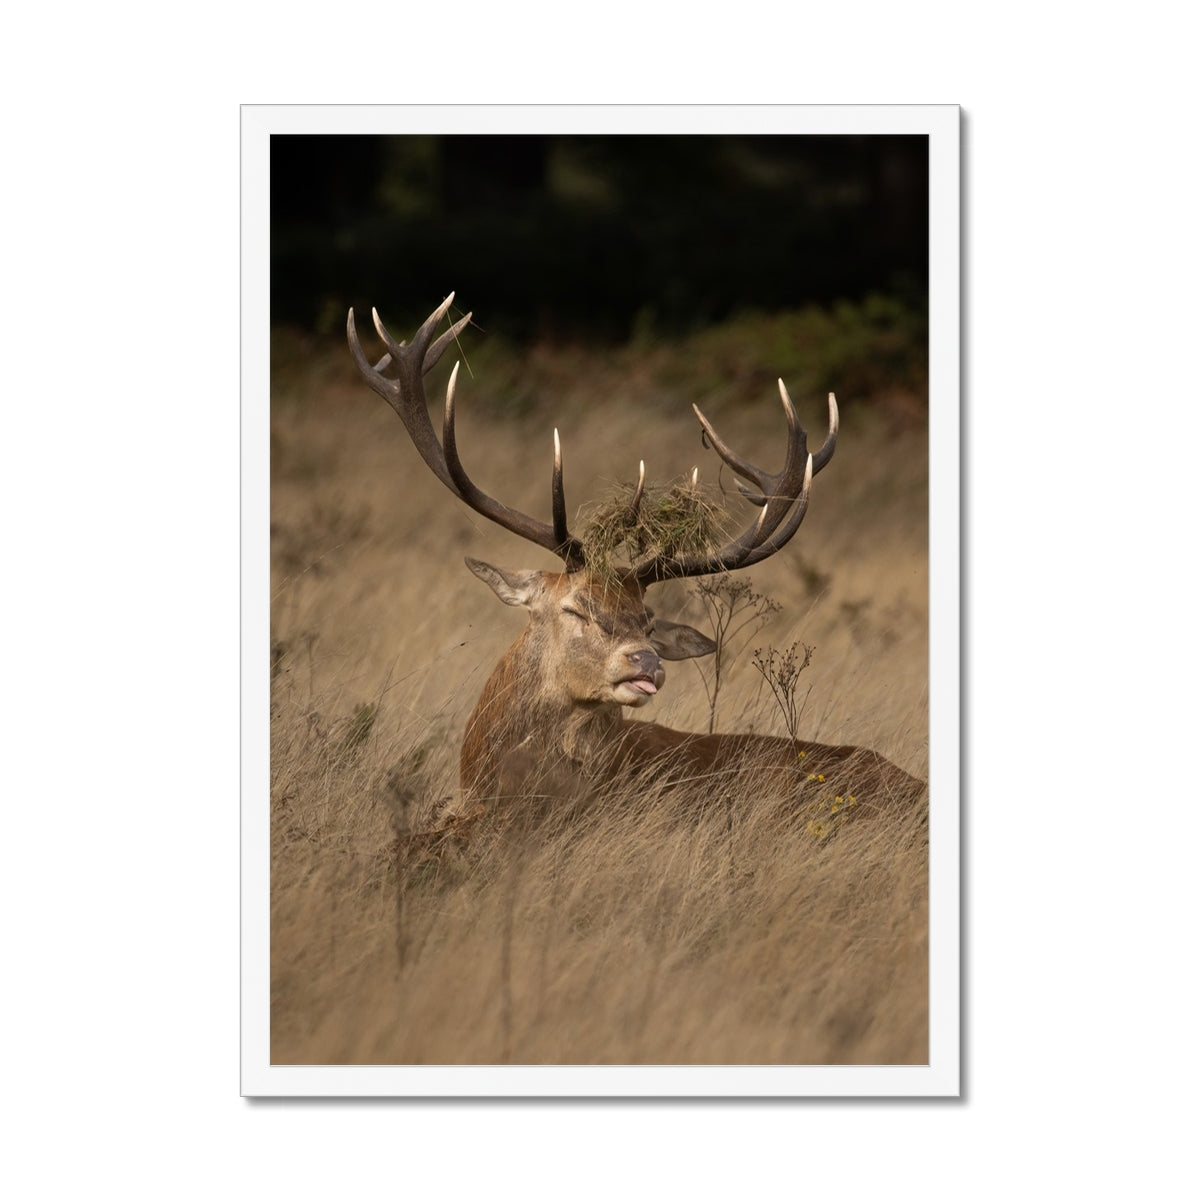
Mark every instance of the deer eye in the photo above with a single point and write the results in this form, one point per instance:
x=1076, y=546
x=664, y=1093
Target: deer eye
x=574, y=613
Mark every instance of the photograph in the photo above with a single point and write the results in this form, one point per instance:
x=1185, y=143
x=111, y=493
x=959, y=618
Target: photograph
x=598, y=684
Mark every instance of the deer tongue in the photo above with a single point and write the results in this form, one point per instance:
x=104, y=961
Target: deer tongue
x=642, y=684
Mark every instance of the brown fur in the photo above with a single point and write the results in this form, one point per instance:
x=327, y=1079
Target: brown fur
x=550, y=721
x=848, y=771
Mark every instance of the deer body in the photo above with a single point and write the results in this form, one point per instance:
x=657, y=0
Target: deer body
x=553, y=708
x=551, y=714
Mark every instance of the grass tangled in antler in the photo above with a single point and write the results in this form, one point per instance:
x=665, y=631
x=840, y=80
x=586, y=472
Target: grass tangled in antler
x=670, y=520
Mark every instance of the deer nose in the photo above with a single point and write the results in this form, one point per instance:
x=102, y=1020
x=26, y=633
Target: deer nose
x=646, y=662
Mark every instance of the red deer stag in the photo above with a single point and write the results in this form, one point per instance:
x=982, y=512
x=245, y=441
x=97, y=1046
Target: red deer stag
x=592, y=647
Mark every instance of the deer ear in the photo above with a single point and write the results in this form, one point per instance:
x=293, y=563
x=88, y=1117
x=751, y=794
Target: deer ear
x=674, y=642
x=518, y=588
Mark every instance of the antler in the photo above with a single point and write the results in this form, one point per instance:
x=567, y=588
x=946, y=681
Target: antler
x=783, y=499
x=406, y=394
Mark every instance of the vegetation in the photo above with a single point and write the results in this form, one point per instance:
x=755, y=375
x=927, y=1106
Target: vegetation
x=677, y=519
x=606, y=933
x=781, y=670
x=671, y=233
x=733, y=610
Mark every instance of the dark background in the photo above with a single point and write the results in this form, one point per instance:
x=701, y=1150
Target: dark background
x=589, y=238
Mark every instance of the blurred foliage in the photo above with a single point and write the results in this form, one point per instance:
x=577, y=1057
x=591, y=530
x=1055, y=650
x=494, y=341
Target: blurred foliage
x=601, y=238
x=854, y=349
x=873, y=353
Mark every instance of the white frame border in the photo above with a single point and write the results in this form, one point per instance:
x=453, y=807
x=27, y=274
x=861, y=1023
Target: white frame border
x=942, y=1076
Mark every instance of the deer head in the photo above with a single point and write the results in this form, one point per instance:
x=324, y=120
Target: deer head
x=607, y=644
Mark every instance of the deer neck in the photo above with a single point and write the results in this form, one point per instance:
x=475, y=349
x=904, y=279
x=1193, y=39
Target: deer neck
x=522, y=707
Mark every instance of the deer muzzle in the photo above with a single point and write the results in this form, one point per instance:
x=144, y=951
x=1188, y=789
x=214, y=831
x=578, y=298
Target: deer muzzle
x=650, y=674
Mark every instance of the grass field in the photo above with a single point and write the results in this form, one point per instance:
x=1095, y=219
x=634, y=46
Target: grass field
x=623, y=935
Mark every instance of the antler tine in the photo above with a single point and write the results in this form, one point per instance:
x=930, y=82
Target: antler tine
x=735, y=462
x=558, y=501
x=395, y=348
x=785, y=532
x=825, y=453
x=406, y=394
x=747, y=470
x=421, y=338
x=636, y=502
x=359, y=354
x=782, y=499
x=430, y=355
x=434, y=353
x=554, y=538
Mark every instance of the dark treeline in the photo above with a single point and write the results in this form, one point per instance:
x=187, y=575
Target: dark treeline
x=592, y=236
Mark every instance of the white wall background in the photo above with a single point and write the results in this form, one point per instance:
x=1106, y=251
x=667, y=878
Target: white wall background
x=121, y=510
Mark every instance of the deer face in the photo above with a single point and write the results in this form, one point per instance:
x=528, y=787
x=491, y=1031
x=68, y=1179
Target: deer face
x=594, y=641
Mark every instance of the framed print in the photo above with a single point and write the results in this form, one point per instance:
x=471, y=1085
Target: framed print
x=600, y=601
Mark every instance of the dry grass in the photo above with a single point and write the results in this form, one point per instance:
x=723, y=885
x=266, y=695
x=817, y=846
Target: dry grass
x=623, y=935
x=676, y=520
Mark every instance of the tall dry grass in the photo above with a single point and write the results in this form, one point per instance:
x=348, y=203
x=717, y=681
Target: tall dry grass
x=624, y=934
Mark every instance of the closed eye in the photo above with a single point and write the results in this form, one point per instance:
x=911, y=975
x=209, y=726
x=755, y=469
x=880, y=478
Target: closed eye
x=574, y=613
